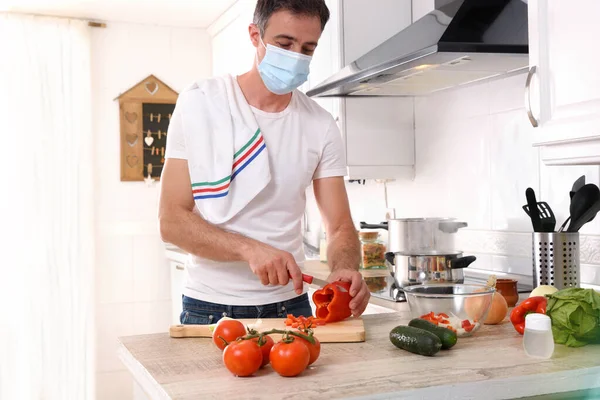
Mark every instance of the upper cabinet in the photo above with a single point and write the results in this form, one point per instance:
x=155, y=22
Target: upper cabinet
x=563, y=93
x=378, y=132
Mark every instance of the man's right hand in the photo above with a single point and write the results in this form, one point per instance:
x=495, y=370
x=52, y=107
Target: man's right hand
x=273, y=266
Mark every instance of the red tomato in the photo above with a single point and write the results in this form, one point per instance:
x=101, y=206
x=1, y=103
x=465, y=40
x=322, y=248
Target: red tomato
x=243, y=357
x=229, y=330
x=289, y=359
x=313, y=349
x=265, y=348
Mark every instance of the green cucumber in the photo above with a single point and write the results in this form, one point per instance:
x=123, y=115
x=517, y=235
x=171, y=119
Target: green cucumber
x=415, y=340
x=447, y=337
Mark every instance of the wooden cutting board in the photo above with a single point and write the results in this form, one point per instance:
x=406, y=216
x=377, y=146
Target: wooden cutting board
x=349, y=330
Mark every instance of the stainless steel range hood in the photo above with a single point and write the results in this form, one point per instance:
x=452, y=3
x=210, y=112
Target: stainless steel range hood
x=462, y=42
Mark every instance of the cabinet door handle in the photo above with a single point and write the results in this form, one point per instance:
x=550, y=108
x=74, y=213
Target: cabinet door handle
x=532, y=119
x=179, y=267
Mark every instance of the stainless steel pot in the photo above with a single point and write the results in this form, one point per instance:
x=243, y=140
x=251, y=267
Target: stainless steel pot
x=424, y=236
x=418, y=269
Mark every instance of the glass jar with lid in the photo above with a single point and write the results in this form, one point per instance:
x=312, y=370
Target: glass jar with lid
x=372, y=250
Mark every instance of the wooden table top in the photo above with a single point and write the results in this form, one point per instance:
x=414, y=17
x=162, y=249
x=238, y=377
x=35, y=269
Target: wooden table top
x=490, y=365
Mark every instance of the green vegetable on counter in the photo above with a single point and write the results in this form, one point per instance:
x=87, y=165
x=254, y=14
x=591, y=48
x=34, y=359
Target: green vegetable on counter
x=575, y=315
x=415, y=340
x=447, y=337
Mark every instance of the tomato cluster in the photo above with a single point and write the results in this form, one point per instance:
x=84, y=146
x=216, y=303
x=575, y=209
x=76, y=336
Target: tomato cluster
x=244, y=352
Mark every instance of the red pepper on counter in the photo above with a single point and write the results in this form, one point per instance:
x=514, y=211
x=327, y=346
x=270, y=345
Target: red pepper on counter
x=536, y=304
x=333, y=302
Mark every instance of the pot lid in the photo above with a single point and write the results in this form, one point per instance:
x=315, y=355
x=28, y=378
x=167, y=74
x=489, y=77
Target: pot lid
x=432, y=253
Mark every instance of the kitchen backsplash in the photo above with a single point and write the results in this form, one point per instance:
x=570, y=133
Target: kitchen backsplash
x=474, y=160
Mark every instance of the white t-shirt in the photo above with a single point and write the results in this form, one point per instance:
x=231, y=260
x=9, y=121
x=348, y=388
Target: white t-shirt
x=304, y=143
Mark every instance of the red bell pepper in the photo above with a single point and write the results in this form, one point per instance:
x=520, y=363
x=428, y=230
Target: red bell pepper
x=536, y=304
x=333, y=302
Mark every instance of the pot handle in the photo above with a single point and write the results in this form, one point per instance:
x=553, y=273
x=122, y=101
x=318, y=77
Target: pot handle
x=461, y=262
x=390, y=257
x=451, y=226
x=364, y=225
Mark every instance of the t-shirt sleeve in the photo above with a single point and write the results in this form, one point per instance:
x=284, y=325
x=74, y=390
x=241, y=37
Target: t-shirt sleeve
x=175, y=138
x=333, y=156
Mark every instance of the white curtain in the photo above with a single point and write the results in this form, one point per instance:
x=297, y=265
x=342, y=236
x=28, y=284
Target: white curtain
x=46, y=209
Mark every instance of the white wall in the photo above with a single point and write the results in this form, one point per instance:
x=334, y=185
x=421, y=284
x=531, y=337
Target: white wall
x=132, y=290
x=233, y=52
x=474, y=160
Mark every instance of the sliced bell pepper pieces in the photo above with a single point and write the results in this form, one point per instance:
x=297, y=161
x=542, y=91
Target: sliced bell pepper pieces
x=536, y=304
x=440, y=318
x=333, y=302
x=467, y=325
x=302, y=323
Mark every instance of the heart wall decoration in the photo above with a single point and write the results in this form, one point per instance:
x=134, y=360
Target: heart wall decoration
x=132, y=161
x=151, y=87
x=131, y=139
x=144, y=122
x=131, y=117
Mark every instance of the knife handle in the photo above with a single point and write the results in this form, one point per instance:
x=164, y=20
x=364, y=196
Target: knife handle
x=306, y=278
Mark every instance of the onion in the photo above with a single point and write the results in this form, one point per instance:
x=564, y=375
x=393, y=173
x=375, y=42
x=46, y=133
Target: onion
x=543, y=290
x=498, y=310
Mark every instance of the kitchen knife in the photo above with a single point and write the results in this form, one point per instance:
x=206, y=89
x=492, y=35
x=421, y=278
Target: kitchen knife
x=316, y=281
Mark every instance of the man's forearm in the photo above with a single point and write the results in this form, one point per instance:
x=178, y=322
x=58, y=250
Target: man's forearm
x=343, y=248
x=192, y=233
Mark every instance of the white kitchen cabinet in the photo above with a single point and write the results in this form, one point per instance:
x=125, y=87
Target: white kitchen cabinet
x=564, y=91
x=378, y=132
x=177, y=270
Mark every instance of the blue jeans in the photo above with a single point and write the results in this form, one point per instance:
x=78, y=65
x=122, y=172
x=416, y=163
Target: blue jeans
x=198, y=312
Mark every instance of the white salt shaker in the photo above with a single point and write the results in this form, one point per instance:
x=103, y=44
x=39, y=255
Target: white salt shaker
x=538, y=341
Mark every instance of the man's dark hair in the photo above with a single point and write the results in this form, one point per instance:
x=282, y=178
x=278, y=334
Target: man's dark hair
x=311, y=8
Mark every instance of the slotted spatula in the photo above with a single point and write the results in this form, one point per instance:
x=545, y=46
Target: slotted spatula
x=547, y=220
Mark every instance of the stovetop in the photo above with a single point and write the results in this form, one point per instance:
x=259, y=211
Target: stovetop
x=384, y=287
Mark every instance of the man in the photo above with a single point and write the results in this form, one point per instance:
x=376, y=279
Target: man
x=246, y=264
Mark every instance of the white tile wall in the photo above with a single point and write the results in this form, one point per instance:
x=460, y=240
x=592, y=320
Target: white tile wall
x=151, y=275
x=474, y=160
x=114, y=274
x=116, y=385
x=113, y=320
x=132, y=276
x=151, y=317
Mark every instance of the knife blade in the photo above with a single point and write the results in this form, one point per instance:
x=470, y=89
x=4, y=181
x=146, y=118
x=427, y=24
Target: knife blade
x=319, y=282
x=315, y=281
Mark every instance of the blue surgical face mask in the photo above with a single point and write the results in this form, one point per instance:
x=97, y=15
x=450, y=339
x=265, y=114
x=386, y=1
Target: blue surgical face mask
x=282, y=70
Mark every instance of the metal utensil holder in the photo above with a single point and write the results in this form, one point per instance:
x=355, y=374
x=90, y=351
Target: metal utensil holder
x=556, y=259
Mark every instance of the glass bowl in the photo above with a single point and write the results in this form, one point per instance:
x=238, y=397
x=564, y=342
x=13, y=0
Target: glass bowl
x=463, y=308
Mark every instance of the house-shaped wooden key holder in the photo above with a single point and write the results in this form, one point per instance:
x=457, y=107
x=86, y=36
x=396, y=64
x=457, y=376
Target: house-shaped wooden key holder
x=145, y=112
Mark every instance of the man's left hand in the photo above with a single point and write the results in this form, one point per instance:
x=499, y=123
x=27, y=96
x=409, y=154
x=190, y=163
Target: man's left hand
x=358, y=288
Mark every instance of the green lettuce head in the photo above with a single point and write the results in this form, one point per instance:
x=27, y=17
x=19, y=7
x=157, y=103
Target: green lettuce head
x=575, y=315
